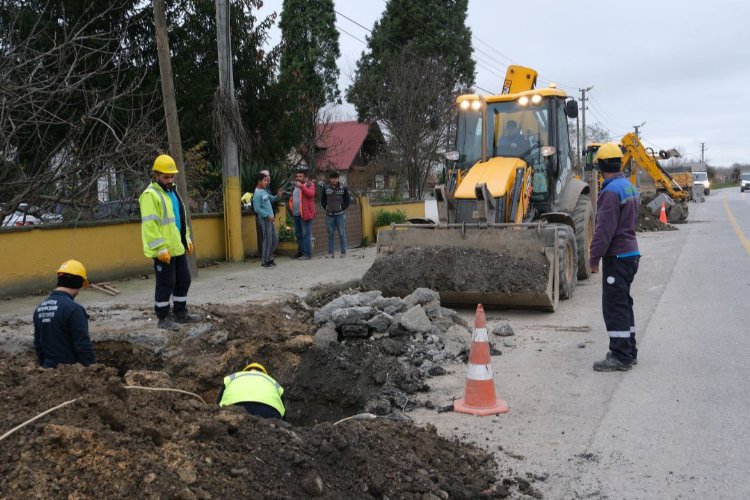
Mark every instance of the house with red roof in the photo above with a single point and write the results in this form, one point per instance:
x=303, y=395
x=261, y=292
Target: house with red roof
x=351, y=148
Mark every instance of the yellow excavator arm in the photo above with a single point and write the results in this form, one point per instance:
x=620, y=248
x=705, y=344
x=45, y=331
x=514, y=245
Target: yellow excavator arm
x=634, y=150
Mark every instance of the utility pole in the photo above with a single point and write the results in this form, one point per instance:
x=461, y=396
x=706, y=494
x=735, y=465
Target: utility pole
x=230, y=171
x=583, y=114
x=170, y=113
x=637, y=128
x=703, y=150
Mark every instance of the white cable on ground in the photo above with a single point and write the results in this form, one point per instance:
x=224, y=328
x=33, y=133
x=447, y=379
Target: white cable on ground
x=165, y=389
x=14, y=429
x=358, y=416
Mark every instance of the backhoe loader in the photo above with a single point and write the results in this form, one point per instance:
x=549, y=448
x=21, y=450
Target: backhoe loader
x=515, y=225
x=637, y=157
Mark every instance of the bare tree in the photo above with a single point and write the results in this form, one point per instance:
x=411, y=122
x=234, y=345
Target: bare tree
x=72, y=106
x=416, y=113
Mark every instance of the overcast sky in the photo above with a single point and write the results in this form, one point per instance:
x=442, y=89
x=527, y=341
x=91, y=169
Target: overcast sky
x=681, y=66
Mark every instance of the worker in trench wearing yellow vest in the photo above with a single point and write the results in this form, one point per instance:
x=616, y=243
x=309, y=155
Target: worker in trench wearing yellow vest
x=254, y=390
x=166, y=240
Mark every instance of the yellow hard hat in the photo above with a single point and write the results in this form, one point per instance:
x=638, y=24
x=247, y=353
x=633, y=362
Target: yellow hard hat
x=255, y=366
x=75, y=268
x=608, y=151
x=164, y=164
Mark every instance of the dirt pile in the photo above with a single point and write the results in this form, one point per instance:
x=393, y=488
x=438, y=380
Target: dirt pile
x=450, y=268
x=116, y=442
x=647, y=221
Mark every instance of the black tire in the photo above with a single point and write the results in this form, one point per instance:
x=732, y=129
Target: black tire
x=742, y=190
x=707, y=191
x=583, y=218
x=567, y=259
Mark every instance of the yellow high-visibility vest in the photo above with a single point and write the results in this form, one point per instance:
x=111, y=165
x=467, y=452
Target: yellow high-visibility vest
x=252, y=387
x=158, y=228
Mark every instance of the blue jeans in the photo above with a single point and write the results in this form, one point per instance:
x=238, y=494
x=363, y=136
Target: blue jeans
x=336, y=222
x=303, y=232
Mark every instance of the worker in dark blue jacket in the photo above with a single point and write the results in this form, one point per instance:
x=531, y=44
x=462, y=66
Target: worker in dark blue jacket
x=615, y=244
x=61, y=327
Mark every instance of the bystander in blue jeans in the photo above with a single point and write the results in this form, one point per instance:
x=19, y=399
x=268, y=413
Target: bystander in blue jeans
x=303, y=231
x=337, y=223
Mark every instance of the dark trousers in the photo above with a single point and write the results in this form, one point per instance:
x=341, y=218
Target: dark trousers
x=617, y=306
x=260, y=410
x=172, y=280
x=303, y=231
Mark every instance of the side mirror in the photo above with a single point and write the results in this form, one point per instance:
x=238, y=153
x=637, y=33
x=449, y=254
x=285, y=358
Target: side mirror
x=451, y=155
x=571, y=108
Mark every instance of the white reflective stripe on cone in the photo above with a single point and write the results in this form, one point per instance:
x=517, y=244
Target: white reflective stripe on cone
x=479, y=372
x=480, y=335
x=619, y=335
x=161, y=304
x=632, y=329
x=179, y=299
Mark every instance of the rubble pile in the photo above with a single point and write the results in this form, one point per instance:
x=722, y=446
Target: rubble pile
x=416, y=327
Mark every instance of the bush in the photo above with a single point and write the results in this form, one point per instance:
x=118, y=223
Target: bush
x=386, y=217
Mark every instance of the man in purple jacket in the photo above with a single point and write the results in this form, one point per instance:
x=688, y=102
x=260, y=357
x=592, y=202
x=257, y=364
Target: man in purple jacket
x=615, y=244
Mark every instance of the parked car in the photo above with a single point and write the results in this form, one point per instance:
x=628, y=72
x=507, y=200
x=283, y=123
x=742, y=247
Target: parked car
x=29, y=215
x=744, y=182
x=702, y=178
x=118, y=209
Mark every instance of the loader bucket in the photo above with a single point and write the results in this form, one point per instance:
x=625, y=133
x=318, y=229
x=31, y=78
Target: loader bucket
x=507, y=265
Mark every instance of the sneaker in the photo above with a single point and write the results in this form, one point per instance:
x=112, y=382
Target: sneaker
x=272, y=263
x=186, y=317
x=343, y=255
x=297, y=255
x=168, y=324
x=609, y=355
x=305, y=257
x=266, y=265
x=612, y=364
x=329, y=256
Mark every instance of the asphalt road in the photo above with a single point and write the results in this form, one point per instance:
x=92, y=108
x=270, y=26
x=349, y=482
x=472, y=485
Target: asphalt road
x=676, y=426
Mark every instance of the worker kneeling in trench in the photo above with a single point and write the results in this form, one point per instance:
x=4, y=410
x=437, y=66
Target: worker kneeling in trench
x=254, y=390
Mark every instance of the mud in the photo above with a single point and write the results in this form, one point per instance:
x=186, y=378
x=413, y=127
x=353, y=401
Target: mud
x=647, y=221
x=116, y=442
x=119, y=442
x=459, y=269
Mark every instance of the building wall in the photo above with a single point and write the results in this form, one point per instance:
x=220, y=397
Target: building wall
x=29, y=256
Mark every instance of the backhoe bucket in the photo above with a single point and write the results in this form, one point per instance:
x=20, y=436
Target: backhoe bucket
x=508, y=265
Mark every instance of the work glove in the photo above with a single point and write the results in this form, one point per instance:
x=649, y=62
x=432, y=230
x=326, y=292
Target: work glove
x=190, y=248
x=164, y=256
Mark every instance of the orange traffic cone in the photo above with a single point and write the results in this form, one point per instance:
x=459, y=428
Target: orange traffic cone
x=663, y=214
x=479, y=396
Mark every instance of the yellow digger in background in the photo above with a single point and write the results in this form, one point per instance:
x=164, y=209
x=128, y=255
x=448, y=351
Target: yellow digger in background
x=637, y=157
x=515, y=224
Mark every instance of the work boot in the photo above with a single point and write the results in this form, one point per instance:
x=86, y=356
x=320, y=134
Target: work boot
x=612, y=364
x=186, y=317
x=168, y=324
x=609, y=355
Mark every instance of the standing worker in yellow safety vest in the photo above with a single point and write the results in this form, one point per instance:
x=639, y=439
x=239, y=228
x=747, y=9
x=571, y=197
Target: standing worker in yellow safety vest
x=166, y=240
x=254, y=390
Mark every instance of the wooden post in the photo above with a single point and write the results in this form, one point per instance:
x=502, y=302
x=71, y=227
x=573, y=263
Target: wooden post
x=170, y=114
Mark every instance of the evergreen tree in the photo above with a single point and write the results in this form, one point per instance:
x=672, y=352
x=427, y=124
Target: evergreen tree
x=309, y=74
x=433, y=30
x=418, y=58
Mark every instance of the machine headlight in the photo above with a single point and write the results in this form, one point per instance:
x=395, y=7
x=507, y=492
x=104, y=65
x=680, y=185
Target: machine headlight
x=536, y=99
x=475, y=105
x=464, y=105
x=523, y=100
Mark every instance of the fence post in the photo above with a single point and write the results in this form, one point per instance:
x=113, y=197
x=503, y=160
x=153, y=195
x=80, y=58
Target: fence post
x=368, y=219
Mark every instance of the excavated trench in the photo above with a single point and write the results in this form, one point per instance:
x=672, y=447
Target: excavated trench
x=113, y=441
x=322, y=384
